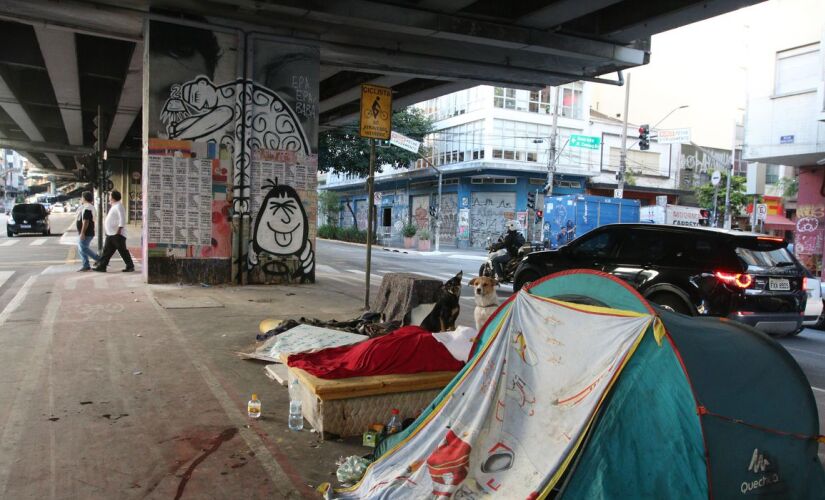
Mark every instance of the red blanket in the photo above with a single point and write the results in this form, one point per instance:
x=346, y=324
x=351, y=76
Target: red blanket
x=410, y=349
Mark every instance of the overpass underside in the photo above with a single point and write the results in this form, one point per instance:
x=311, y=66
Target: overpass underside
x=221, y=102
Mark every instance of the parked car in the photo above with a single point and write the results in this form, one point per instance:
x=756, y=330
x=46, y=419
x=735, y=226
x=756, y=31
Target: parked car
x=28, y=218
x=58, y=208
x=747, y=277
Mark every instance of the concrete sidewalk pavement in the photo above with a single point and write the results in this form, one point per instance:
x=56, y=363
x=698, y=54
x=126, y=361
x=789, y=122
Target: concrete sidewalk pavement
x=124, y=390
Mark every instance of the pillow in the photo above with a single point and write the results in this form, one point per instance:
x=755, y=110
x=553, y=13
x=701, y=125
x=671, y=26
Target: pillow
x=459, y=341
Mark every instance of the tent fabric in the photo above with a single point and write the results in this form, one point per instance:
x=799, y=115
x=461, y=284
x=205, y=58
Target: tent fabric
x=504, y=415
x=714, y=409
x=766, y=390
x=410, y=349
x=596, y=285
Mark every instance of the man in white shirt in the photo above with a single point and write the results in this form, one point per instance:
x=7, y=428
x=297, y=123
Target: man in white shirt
x=115, y=228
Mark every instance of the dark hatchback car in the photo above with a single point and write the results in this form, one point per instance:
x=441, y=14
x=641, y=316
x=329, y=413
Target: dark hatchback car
x=747, y=277
x=28, y=218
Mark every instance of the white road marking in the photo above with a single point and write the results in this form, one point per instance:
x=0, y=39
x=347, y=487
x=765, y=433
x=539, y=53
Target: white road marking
x=817, y=389
x=9, y=243
x=38, y=242
x=325, y=268
x=4, y=276
x=13, y=429
x=15, y=302
x=479, y=258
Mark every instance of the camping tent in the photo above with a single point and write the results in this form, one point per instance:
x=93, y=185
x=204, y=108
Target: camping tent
x=565, y=397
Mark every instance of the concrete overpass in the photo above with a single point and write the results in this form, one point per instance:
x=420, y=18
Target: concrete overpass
x=59, y=61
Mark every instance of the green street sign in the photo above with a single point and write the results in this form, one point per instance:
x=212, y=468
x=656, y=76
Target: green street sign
x=585, y=141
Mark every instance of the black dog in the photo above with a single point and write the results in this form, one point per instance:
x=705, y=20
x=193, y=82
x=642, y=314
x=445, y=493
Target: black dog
x=442, y=317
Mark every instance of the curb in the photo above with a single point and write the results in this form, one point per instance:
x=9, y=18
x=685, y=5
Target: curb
x=399, y=250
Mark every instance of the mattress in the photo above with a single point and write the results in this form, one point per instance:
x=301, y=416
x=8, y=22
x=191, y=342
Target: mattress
x=347, y=407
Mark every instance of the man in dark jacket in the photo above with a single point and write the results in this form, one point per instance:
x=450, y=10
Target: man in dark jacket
x=512, y=241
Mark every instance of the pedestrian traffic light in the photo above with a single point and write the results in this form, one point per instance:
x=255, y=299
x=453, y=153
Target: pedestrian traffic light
x=644, y=137
x=531, y=200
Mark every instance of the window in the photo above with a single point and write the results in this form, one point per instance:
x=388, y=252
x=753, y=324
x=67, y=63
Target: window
x=772, y=174
x=643, y=247
x=571, y=100
x=598, y=246
x=504, y=98
x=798, y=70
x=522, y=100
x=455, y=144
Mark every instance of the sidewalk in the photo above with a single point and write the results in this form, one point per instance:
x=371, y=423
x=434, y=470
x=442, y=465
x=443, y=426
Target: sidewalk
x=125, y=390
x=445, y=251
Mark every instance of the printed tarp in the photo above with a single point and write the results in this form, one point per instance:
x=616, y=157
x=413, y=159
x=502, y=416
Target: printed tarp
x=516, y=418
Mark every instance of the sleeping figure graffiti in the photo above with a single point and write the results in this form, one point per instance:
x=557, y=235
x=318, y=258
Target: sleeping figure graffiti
x=282, y=230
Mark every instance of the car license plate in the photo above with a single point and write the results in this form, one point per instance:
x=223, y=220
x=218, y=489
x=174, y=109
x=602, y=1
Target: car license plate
x=779, y=284
x=25, y=226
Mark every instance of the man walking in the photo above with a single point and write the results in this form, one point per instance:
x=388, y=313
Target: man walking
x=86, y=231
x=115, y=227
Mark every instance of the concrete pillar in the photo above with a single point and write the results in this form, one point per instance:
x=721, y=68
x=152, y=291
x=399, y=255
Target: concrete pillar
x=229, y=174
x=810, y=220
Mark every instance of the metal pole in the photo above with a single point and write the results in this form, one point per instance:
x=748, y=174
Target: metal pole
x=370, y=200
x=551, y=161
x=730, y=174
x=623, y=157
x=100, y=180
x=438, y=216
x=755, y=215
x=715, y=210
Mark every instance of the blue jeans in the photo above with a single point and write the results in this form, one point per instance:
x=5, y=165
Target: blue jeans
x=86, y=252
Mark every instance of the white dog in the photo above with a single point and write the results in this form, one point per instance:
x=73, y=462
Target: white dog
x=484, y=293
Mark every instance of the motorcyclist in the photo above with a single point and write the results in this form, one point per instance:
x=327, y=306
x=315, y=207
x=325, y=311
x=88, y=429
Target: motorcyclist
x=512, y=241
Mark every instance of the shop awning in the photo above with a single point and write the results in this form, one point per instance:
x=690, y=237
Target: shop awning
x=779, y=222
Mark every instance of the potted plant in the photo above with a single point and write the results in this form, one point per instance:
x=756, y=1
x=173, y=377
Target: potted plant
x=409, y=231
x=424, y=240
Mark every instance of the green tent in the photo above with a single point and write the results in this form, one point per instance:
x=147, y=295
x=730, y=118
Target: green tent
x=702, y=408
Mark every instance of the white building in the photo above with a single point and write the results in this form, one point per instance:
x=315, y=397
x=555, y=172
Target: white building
x=13, y=175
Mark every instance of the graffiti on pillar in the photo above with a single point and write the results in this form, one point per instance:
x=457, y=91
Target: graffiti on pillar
x=809, y=236
x=282, y=230
x=200, y=110
x=488, y=214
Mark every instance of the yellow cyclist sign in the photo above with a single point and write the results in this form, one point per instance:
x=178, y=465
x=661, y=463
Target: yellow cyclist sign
x=376, y=112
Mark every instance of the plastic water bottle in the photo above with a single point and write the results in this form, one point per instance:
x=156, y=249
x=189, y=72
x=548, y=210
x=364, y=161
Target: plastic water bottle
x=296, y=418
x=394, y=425
x=253, y=407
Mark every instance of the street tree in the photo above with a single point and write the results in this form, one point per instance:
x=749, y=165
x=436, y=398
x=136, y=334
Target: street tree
x=738, y=198
x=343, y=150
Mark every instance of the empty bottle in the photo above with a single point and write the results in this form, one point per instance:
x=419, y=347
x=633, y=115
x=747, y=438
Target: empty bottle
x=394, y=425
x=253, y=407
x=296, y=418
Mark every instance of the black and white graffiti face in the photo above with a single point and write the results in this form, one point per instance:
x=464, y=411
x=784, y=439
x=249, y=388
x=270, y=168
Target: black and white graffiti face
x=281, y=227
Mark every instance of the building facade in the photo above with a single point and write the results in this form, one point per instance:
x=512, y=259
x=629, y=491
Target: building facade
x=14, y=171
x=492, y=145
x=785, y=119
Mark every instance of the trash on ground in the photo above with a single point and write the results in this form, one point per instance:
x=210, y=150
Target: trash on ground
x=351, y=469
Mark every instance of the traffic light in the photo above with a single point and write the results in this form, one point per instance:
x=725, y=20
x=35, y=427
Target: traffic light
x=644, y=137
x=539, y=215
x=704, y=217
x=531, y=200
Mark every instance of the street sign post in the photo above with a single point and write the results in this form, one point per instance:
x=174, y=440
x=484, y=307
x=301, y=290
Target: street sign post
x=376, y=112
x=618, y=193
x=673, y=136
x=376, y=123
x=585, y=141
x=761, y=211
x=404, y=142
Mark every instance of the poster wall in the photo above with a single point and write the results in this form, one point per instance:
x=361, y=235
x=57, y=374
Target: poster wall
x=233, y=156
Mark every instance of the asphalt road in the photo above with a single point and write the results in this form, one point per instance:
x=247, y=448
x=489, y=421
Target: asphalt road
x=344, y=262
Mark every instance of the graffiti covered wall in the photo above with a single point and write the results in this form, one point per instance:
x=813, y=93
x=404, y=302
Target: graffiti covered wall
x=489, y=211
x=809, y=235
x=248, y=125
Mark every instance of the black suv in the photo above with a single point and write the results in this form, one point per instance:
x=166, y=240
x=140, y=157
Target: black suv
x=28, y=218
x=746, y=277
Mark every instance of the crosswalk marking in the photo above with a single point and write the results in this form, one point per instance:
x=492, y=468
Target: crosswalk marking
x=4, y=276
x=38, y=242
x=9, y=243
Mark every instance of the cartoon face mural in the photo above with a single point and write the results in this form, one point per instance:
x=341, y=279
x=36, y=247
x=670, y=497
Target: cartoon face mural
x=282, y=230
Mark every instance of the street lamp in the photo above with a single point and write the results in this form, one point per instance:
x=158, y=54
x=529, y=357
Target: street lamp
x=671, y=112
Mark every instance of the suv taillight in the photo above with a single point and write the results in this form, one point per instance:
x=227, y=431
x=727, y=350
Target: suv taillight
x=735, y=279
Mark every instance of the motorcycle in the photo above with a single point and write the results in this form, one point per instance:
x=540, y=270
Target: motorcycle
x=509, y=269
